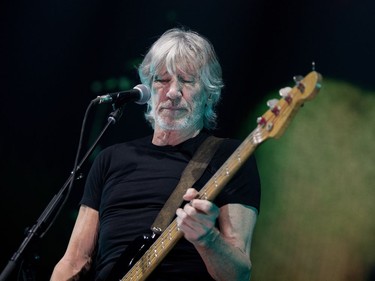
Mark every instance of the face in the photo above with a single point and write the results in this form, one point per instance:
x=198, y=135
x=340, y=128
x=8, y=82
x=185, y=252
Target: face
x=178, y=101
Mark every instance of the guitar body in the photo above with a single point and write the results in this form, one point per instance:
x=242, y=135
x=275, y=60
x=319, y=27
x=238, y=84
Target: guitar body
x=131, y=255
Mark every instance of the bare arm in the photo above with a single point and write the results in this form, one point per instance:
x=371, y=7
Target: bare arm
x=77, y=257
x=226, y=252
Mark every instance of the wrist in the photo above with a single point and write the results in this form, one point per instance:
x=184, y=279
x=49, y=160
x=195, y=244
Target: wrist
x=209, y=239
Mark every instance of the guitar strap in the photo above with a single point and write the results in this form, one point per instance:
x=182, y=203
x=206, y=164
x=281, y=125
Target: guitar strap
x=190, y=175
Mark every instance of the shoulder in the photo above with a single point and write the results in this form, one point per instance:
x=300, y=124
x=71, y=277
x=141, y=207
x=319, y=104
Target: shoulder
x=228, y=146
x=227, y=143
x=124, y=146
x=231, y=143
x=119, y=150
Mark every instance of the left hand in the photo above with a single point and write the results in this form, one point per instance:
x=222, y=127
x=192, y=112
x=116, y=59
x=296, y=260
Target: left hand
x=197, y=219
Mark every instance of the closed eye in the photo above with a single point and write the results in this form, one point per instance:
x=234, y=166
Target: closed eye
x=186, y=81
x=161, y=80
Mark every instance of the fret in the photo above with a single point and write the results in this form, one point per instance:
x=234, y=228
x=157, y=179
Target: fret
x=238, y=156
x=215, y=181
x=205, y=196
x=155, y=252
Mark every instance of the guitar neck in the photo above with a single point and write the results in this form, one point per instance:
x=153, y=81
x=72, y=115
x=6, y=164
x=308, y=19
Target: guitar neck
x=168, y=239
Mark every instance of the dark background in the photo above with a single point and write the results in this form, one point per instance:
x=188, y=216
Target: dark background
x=55, y=56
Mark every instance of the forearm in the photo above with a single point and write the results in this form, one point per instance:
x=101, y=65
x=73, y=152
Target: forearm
x=68, y=271
x=78, y=256
x=75, y=262
x=223, y=260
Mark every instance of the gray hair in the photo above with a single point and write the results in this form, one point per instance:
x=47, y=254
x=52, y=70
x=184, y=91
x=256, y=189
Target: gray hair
x=181, y=50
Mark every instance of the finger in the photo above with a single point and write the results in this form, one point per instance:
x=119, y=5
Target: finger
x=205, y=206
x=185, y=222
x=190, y=225
x=191, y=216
x=195, y=231
x=190, y=194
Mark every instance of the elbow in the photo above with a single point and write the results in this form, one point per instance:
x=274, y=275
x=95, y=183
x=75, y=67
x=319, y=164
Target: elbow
x=244, y=273
x=240, y=273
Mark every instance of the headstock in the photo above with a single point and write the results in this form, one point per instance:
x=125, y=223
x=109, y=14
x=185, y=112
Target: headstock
x=273, y=122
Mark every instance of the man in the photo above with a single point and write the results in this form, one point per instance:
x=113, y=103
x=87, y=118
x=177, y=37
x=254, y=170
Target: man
x=130, y=182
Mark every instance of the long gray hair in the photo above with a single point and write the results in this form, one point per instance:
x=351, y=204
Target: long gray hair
x=181, y=50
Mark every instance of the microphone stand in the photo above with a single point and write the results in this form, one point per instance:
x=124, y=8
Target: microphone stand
x=38, y=230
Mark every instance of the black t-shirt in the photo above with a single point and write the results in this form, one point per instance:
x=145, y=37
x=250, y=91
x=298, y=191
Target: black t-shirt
x=130, y=182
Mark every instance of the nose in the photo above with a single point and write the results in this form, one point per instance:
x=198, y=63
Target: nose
x=175, y=90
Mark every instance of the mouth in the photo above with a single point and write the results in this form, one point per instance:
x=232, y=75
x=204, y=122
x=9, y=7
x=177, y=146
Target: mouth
x=172, y=108
x=175, y=112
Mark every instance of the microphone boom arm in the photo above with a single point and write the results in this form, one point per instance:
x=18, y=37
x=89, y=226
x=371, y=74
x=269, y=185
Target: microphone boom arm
x=50, y=213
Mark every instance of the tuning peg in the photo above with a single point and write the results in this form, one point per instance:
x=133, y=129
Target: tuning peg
x=284, y=92
x=261, y=121
x=297, y=78
x=272, y=103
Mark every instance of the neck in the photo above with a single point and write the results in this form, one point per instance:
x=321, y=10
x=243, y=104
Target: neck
x=172, y=137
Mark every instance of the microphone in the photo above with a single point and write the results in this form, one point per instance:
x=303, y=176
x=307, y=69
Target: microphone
x=139, y=94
